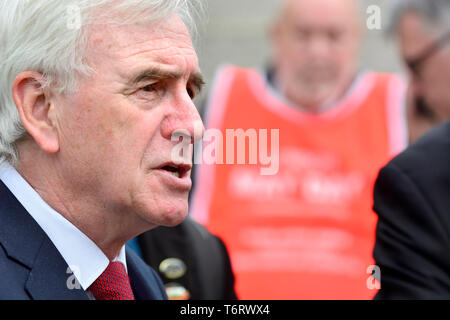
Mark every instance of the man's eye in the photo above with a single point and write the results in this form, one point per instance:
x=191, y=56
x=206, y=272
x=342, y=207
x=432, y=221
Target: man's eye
x=150, y=88
x=153, y=90
x=191, y=92
x=303, y=35
x=334, y=35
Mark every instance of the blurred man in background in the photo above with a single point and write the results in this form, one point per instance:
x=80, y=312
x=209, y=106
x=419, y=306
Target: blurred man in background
x=305, y=228
x=424, y=49
x=412, y=192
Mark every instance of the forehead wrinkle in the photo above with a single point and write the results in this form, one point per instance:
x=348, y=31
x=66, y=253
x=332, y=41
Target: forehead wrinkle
x=149, y=54
x=121, y=41
x=165, y=54
x=158, y=37
x=160, y=54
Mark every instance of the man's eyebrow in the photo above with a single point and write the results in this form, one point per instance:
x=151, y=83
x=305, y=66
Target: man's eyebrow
x=155, y=73
x=197, y=81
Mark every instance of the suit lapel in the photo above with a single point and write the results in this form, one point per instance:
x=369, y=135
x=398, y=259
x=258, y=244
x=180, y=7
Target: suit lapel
x=25, y=241
x=144, y=281
x=50, y=278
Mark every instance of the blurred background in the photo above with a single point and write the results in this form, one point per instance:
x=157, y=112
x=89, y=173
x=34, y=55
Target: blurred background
x=236, y=31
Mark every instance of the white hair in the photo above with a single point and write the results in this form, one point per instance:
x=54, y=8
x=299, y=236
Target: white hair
x=50, y=37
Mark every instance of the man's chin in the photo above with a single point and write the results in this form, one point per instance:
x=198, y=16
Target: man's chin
x=174, y=222
x=162, y=208
x=171, y=217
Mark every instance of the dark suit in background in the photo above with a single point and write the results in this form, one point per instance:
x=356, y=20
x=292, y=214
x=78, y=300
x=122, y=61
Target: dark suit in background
x=208, y=274
x=32, y=268
x=412, y=200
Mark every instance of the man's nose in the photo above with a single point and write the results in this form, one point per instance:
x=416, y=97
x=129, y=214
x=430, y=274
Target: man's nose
x=184, y=121
x=319, y=46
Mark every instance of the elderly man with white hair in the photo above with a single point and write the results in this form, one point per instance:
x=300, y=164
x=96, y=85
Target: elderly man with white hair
x=91, y=94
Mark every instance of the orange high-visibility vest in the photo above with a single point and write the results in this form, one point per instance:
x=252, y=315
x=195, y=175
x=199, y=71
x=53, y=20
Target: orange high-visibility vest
x=308, y=231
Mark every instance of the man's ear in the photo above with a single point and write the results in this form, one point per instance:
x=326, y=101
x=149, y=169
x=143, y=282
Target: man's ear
x=35, y=109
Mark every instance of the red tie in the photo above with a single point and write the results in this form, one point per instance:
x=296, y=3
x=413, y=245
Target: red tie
x=113, y=284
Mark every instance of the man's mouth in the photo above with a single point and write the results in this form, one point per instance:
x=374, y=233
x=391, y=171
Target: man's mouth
x=177, y=170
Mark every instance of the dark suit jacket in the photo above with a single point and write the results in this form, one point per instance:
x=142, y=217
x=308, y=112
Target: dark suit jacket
x=32, y=268
x=412, y=200
x=209, y=274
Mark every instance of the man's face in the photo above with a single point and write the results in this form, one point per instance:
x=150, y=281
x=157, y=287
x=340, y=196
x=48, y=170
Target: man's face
x=115, y=132
x=315, y=48
x=429, y=94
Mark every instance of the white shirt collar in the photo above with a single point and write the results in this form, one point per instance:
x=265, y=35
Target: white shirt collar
x=81, y=254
